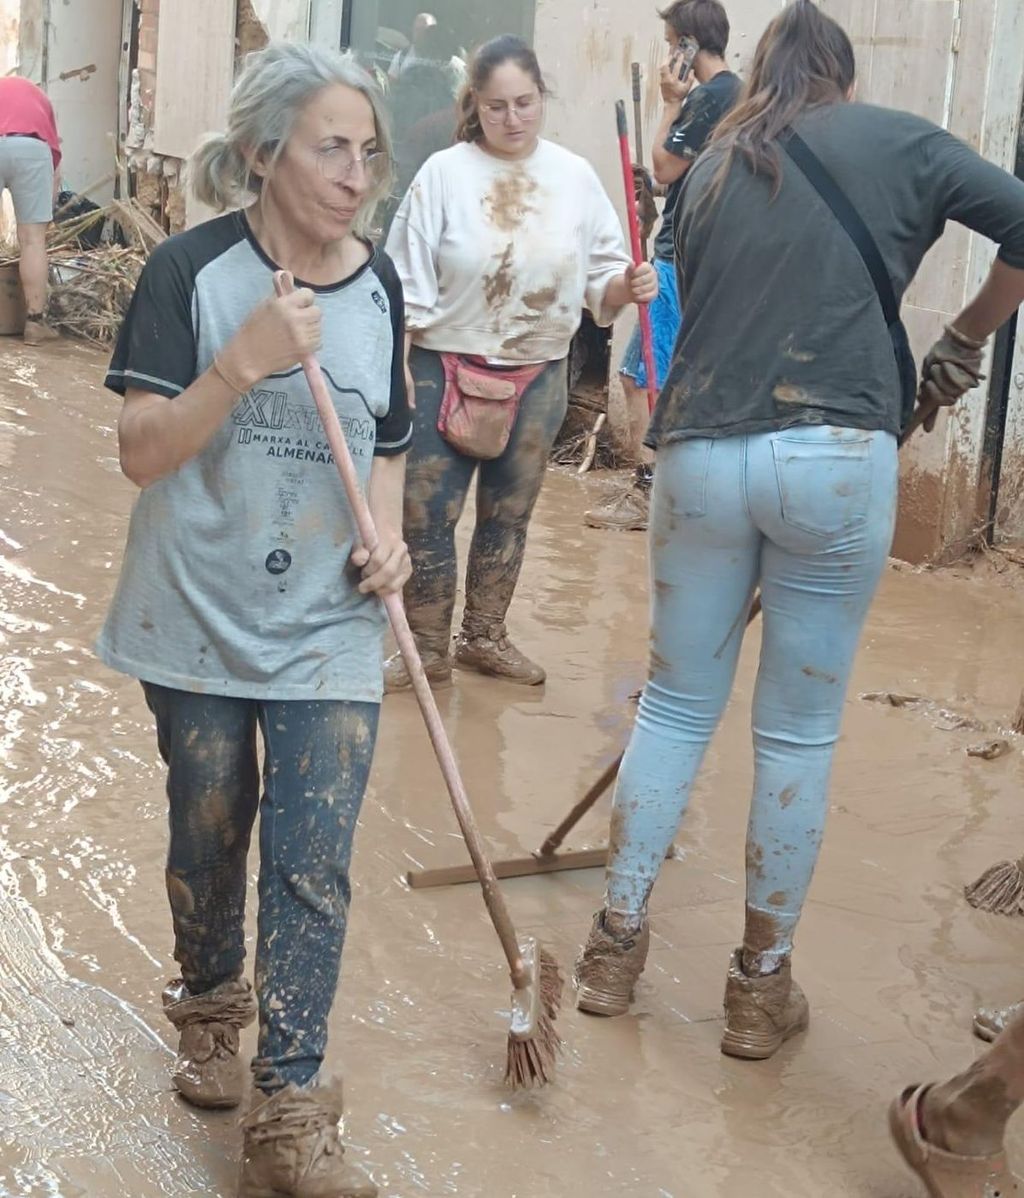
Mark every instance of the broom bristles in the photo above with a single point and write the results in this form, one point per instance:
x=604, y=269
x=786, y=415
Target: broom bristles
x=532, y=1062
x=999, y=890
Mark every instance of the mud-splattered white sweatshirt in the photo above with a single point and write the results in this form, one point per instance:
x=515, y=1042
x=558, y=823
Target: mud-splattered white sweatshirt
x=499, y=258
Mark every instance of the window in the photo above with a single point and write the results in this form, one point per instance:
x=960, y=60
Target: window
x=419, y=50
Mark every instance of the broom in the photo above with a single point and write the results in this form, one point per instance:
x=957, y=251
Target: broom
x=533, y=1043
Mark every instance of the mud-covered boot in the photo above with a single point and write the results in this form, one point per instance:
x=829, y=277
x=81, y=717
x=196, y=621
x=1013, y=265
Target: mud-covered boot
x=627, y=511
x=990, y=1022
x=438, y=668
x=490, y=651
x=292, y=1149
x=761, y=1013
x=608, y=968
x=209, y=1072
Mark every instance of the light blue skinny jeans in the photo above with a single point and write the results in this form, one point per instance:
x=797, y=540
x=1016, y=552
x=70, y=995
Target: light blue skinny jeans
x=807, y=514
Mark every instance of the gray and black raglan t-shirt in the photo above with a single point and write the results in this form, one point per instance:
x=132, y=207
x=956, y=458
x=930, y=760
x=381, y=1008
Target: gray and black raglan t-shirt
x=783, y=324
x=236, y=577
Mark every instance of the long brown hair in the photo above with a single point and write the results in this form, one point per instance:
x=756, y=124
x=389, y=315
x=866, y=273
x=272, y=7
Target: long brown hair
x=804, y=60
x=490, y=56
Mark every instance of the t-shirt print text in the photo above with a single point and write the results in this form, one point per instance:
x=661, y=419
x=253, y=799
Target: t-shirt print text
x=284, y=428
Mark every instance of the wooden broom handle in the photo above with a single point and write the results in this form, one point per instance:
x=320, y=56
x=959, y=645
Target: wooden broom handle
x=495, y=900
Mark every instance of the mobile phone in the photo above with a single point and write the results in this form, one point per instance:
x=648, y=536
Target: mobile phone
x=688, y=51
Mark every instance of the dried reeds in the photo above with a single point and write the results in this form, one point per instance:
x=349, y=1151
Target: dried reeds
x=92, y=288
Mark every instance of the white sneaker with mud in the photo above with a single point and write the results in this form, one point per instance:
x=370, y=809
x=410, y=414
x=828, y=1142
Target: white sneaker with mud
x=629, y=511
x=608, y=969
x=761, y=1013
x=396, y=677
x=292, y=1149
x=209, y=1072
x=495, y=655
x=38, y=331
x=990, y=1023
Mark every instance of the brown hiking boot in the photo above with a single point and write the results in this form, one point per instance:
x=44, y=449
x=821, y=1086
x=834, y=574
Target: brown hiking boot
x=761, y=1013
x=608, y=968
x=990, y=1023
x=209, y=1073
x=438, y=670
x=293, y=1149
x=628, y=511
x=38, y=331
x=494, y=654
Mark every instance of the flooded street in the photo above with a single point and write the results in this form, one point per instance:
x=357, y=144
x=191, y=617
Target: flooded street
x=891, y=957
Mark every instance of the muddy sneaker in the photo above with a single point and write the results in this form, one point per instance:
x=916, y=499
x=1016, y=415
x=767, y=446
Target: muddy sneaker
x=293, y=1149
x=761, y=1013
x=608, y=968
x=208, y=1072
x=38, y=331
x=990, y=1023
x=494, y=654
x=396, y=676
x=629, y=511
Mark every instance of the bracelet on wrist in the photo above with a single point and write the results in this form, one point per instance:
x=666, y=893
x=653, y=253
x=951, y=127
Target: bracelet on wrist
x=963, y=339
x=225, y=375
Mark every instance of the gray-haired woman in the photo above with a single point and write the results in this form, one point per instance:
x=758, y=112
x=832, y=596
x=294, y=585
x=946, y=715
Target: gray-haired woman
x=245, y=599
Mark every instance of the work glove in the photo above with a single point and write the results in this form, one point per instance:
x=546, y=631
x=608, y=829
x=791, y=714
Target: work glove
x=951, y=369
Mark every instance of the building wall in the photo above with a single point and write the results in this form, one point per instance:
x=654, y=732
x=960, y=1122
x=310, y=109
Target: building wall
x=72, y=48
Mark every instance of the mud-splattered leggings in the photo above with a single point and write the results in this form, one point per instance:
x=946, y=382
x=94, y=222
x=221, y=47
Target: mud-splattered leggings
x=316, y=766
x=808, y=514
x=437, y=482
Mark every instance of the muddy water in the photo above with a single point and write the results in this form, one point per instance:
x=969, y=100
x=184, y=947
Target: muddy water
x=892, y=959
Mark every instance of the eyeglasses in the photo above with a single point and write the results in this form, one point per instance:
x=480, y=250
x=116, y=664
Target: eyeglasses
x=498, y=112
x=336, y=163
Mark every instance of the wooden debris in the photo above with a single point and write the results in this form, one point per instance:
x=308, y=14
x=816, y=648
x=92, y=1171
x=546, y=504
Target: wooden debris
x=92, y=288
x=591, y=444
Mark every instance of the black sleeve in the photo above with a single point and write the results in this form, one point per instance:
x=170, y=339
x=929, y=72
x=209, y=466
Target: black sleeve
x=156, y=347
x=978, y=194
x=694, y=126
x=394, y=431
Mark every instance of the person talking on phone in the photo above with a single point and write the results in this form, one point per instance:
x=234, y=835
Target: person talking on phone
x=697, y=90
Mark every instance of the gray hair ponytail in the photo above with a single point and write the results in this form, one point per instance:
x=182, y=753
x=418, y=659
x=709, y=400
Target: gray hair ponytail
x=275, y=85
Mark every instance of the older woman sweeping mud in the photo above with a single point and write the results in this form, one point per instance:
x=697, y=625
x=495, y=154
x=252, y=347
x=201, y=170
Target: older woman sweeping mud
x=776, y=436
x=246, y=602
x=500, y=243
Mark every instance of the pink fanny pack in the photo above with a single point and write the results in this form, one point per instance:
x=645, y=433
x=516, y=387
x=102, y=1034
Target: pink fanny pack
x=481, y=403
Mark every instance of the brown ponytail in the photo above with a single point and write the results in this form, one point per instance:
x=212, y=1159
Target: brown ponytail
x=804, y=60
x=490, y=56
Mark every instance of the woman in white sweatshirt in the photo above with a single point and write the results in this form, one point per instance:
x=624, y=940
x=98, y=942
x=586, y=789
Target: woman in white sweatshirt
x=500, y=243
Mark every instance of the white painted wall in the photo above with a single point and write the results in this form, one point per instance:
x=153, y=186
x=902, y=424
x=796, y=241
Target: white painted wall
x=83, y=54
x=285, y=19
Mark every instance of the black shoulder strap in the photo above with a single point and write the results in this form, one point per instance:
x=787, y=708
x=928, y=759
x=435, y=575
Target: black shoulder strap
x=848, y=216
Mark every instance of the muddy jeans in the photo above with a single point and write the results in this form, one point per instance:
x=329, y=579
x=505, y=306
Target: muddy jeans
x=317, y=762
x=437, y=482
x=807, y=513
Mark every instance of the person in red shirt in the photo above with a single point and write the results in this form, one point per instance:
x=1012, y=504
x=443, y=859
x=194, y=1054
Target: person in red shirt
x=29, y=158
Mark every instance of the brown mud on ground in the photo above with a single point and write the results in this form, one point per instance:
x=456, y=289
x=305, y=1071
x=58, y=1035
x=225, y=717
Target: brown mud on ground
x=891, y=957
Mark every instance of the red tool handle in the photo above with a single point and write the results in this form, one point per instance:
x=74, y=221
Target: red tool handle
x=646, y=338
x=493, y=897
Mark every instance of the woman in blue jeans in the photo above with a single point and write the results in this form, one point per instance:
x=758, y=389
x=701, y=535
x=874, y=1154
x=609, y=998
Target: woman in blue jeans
x=776, y=436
